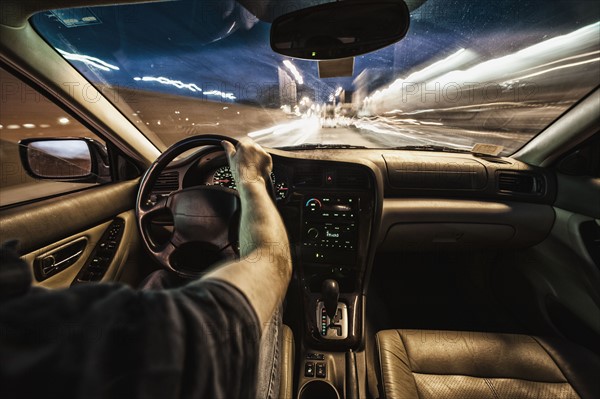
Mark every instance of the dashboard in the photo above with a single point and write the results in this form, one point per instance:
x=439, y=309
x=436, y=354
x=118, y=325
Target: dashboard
x=429, y=199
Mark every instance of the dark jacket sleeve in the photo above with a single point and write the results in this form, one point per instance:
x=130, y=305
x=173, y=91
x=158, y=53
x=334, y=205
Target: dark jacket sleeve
x=108, y=341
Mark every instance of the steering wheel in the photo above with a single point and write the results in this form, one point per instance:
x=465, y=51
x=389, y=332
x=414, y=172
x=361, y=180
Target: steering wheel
x=205, y=218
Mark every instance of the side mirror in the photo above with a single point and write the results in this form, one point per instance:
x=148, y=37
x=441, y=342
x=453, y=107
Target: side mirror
x=340, y=30
x=75, y=160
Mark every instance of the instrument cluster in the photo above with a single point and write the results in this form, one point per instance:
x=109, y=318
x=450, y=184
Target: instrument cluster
x=222, y=176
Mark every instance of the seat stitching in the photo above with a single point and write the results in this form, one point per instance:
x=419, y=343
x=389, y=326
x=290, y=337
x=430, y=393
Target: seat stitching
x=557, y=366
x=276, y=360
x=491, y=386
x=495, y=378
x=409, y=363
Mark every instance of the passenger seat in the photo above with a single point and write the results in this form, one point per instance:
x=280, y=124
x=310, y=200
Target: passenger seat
x=423, y=364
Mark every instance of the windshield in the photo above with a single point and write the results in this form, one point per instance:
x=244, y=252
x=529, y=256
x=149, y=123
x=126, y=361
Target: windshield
x=467, y=72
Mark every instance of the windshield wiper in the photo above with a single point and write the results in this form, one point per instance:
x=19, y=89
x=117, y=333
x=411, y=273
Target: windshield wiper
x=438, y=148
x=309, y=146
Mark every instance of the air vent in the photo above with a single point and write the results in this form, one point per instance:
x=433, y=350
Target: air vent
x=306, y=177
x=520, y=183
x=352, y=178
x=166, y=183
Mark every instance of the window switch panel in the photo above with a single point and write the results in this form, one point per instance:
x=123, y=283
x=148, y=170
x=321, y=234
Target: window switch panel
x=103, y=254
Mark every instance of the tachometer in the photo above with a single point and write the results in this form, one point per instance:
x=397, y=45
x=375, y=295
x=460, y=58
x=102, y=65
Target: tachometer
x=224, y=177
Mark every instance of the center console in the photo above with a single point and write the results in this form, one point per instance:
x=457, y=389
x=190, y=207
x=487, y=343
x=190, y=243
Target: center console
x=330, y=222
x=334, y=243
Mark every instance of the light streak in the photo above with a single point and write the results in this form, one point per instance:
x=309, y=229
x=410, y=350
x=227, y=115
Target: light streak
x=170, y=82
x=552, y=69
x=512, y=68
x=294, y=71
x=228, y=96
x=89, y=60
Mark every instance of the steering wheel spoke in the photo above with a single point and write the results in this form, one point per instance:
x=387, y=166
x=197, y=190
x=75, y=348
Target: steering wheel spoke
x=148, y=209
x=163, y=254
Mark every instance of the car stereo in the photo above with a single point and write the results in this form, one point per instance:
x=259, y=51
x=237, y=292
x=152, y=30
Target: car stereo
x=329, y=231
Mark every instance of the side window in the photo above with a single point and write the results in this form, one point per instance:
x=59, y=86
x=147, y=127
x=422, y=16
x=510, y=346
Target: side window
x=34, y=129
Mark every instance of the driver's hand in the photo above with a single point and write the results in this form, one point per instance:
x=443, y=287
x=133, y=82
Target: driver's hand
x=248, y=161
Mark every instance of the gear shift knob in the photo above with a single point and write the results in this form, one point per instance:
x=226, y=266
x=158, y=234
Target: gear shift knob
x=330, y=291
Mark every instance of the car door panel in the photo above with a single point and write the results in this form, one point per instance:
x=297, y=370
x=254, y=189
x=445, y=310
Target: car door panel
x=69, y=229
x=127, y=244
x=41, y=223
x=559, y=279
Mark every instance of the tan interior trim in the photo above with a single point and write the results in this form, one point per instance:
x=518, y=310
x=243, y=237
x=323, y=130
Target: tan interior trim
x=65, y=215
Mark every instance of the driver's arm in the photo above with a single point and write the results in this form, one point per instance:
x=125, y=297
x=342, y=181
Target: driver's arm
x=264, y=269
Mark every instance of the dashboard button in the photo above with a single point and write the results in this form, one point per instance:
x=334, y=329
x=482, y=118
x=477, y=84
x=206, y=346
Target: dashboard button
x=321, y=370
x=309, y=369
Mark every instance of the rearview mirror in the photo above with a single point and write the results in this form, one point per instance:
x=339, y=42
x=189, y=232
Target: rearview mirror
x=63, y=159
x=340, y=30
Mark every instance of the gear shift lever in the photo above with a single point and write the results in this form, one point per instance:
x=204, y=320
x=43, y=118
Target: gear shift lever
x=331, y=293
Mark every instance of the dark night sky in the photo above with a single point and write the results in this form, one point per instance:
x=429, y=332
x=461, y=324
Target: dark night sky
x=189, y=41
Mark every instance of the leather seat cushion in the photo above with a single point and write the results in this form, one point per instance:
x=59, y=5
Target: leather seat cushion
x=457, y=364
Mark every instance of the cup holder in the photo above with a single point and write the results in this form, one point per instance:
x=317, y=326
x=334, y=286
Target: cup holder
x=318, y=390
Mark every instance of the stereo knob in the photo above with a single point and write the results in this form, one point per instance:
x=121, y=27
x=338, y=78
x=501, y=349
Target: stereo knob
x=313, y=204
x=312, y=233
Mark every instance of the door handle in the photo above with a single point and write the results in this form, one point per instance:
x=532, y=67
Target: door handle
x=58, y=259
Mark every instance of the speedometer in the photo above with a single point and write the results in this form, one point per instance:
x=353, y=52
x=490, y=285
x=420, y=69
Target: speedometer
x=224, y=177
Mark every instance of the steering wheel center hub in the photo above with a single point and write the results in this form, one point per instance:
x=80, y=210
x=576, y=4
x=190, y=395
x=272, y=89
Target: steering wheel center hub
x=204, y=214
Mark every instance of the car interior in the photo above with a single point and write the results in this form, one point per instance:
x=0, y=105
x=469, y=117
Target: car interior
x=441, y=248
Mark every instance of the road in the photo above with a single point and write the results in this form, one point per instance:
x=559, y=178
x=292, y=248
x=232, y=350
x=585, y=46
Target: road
x=382, y=133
